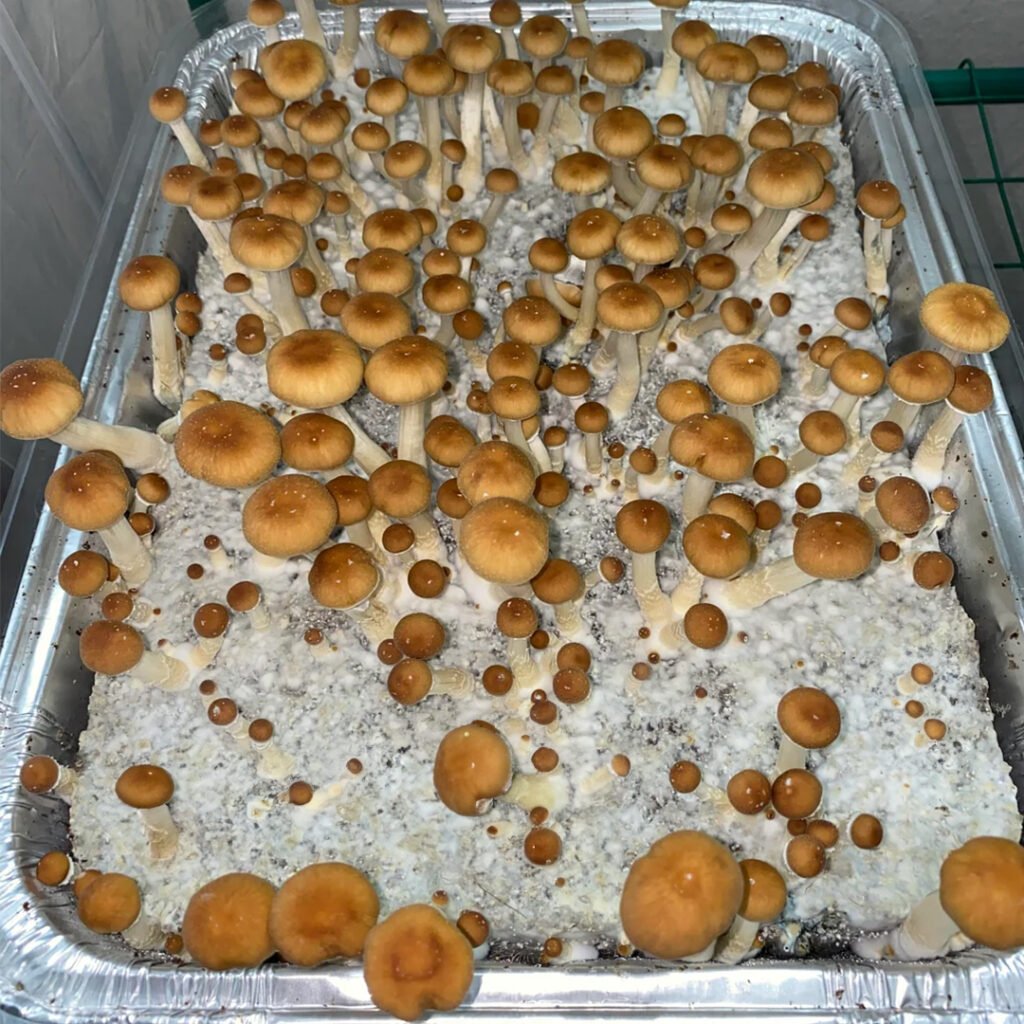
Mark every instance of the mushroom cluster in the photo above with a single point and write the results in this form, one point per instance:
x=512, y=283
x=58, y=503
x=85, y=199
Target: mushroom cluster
x=400, y=434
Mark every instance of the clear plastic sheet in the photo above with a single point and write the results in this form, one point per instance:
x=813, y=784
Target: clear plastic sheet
x=55, y=969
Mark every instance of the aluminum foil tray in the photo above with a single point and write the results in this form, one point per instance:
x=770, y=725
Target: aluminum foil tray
x=53, y=969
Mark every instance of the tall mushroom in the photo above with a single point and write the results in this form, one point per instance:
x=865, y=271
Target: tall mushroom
x=716, y=449
x=116, y=648
x=345, y=576
x=764, y=898
x=643, y=527
x=148, y=788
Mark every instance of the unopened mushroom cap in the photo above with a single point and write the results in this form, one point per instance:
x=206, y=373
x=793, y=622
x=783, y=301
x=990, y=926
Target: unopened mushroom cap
x=400, y=488
x=38, y=398
x=39, y=774
x=834, y=546
x=416, y=960
x=857, y=372
x=514, y=398
x=559, y=581
x=532, y=320
x=616, y=62
x=244, y=595
x=372, y=319
x=516, y=618
x=314, y=369
x=965, y=317
x=144, y=786
x=623, y=133
x=727, y=62
x=504, y=541
x=472, y=767
x=316, y=442
x=629, y=307
x=717, y=546
x=82, y=573
x=289, y=515
x=643, y=525
x=89, y=492
x=447, y=441
x=713, y=444
x=903, y=503
x=227, y=922
x=402, y=33
x=406, y=370
x=294, y=68
x=796, y=793
x=342, y=576
x=921, y=377
x=110, y=647
x=53, y=867
x=168, y=103
x=228, y=444
x=266, y=242
x=392, y=229
x=809, y=717
x=783, y=179
x=321, y=912
x=744, y=374
x=822, y=432
x=591, y=234
x=148, y=282
x=764, y=896
x=111, y=903
x=409, y=681
x=352, y=496
x=972, y=390
x=681, y=398
x=681, y=895
x=982, y=889
x=581, y=173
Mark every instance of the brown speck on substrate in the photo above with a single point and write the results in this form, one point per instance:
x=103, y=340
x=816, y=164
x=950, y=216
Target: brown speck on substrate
x=654, y=657
x=700, y=692
x=354, y=765
x=643, y=632
x=641, y=671
x=195, y=571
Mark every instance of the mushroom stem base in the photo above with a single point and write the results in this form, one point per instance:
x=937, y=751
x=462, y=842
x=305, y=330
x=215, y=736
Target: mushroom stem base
x=137, y=449
x=926, y=932
x=763, y=585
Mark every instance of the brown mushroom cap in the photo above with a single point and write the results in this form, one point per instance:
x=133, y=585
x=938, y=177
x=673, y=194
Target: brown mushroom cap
x=321, y=912
x=472, y=767
x=717, y=546
x=416, y=960
x=965, y=317
x=713, y=444
x=289, y=515
x=805, y=856
x=39, y=774
x=705, y=625
x=111, y=903
x=409, y=681
x=764, y=896
x=227, y=922
x=972, y=390
x=559, y=581
x=447, y=441
x=516, y=618
x=144, y=786
x=783, y=179
x=921, y=377
x=749, y=791
x=38, y=398
x=314, y=369
x=352, y=496
x=294, y=68
x=796, y=793
x=228, y=444
x=681, y=895
x=744, y=374
x=406, y=370
x=982, y=888
x=643, y=525
x=809, y=717
x=89, y=492
x=82, y=573
x=343, y=576
x=504, y=541
x=903, y=503
x=53, y=867
x=419, y=635
x=834, y=546
x=496, y=469
x=933, y=569
x=400, y=488
x=315, y=442
x=110, y=647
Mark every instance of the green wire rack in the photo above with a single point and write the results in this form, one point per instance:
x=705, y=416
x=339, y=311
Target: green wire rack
x=967, y=85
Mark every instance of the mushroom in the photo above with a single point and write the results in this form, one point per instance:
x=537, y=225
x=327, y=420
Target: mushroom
x=616, y=64
x=496, y=469
x=115, y=648
x=560, y=584
x=822, y=354
x=110, y=903
x=227, y=922
x=301, y=201
x=668, y=76
x=965, y=318
x=764, y=898
x=622, y=134
x=55, y=869
x=805, y=855
x=401, y=489
x=473, y=768
x=822, y=433
x=322, y=912
x=228, y=444
x=504, y=541
x=877, y=201
x=981, y=894
x=428, y=76
x=416, y=960
x=681, y=896
x=42, y=774
x=149, y=284
x=716, y=159
x=627, y=310
x=809, y=720
x=796, y=793
x=827, y=546
x=287, y=516
x=716, y=546
x=346, y=577
x=716, y=449
x=316, y=442
x=642, y=527
x=743, y=376
x=148, y=788
x=590, y=236
x=972, y=394
x=617, y=767
x=676, y=400
x=591, y=419
x=42, y=398
x=168, y=105
x=514, y=400
x=517, y=621
x=858, y=374
x=87, y=574
x=902, y=504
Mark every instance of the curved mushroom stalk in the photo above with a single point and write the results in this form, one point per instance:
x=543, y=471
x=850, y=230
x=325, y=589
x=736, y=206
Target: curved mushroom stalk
x=702, y=957
x=494, y=125
x=697, y=491
x=161, y=832
x=162, y=671
x=368, y=454
x=311, y=27
x=374, y=620
x=144, y=932
x=862, y=461
x=579, y=337
x=435, y=12
x=744, y=252
x=668, y=77
x=514, y=434
x=513, y=138
x=766, y=266
x=529, y=791
x=600, y=779
x=817, y=382
x=345, y=55
x=412, y=419
x=62, y=780
x=325, y=279
x=699, y=94
x=802, y=459
x=137, y=449
x=756, y=588
x=568, y=618
x=930, y=456
x=271, y=761
x=539, y=452
x=627, y=381
x=791, y=755
x=453, y=682
x=926, y=932
x=570, y=951
x=580, y=19
x=520, y=660
x=428, y=542
x=654, y=604
x=687, y=591
x=285, y=303
x=624, y=183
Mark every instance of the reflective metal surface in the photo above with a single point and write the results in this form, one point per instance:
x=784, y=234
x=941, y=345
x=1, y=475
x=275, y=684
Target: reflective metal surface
x=54, y=969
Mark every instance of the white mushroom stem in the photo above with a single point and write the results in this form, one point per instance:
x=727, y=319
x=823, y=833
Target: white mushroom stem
x=430, y=119
x=875, y=271
x=66, y=785
x=627, y=381
x=744, y=252
x=735, y=944
x=167, y=369
x=520, y=660
x=886, y=247
x=435, y=12
x=513, y=430
x=707, y=197
x=345, y=56
x=718, y=108
x=374, y=620
x=428, y=540
x=697, y=491
x=311, y=27
x=926, y=932
x=161, y=833
x=498, y=203
x=452, y=682
x=649, y=200
x=137, y=449
x=581, y=21
x=368, y=454
x=792, y=260
x=756, y=588
x=161, y=670
x=668, y=77
x=411, y=425
x=513, y=137
x=509, y=45
x=258, y=616
x=599, y=780
x=529, y=791
x=791, y=755
x=818, y=381
x=359, y=533
x=745, y=415
x=568, y=618
x=702, y=957
x=593, y=454
x=542, y=136
x=285, y=302
x=687, y=591
x=623, y=183
x=323, y=273
x=471, y=133
x=699, y=93
x=494, y=125
x=580, y=336
x=193, y=151
x=802, y=459
x=555, y=297
x=144, y=932
x=267, y=565
x=604, y=358
x=766, y=266
x=654, y=604
x=539, y=452
x=844, y=404
x=930, y=456
x=127, y=552
x=209, y=647
x=271, y=761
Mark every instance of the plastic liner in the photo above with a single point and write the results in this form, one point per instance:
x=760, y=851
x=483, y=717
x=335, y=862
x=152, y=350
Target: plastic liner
x=53, y=969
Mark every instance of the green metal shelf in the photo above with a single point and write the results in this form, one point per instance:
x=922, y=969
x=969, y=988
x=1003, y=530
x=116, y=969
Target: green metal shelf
x=967, y=85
